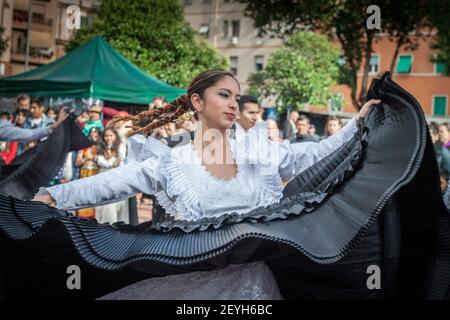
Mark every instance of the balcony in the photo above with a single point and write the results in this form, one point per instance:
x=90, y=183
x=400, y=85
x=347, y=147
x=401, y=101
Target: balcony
x=38, y=55
x=38, y=21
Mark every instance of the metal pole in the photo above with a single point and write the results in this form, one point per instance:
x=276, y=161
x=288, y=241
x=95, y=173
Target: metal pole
x=27, y=50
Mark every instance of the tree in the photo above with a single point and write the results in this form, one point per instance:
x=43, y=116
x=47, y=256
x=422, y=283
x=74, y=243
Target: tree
x=301, y=72
x=345, y=21
x=154, y=35
x=439, y=18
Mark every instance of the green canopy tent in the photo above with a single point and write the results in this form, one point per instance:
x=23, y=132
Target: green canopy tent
x=94, y=70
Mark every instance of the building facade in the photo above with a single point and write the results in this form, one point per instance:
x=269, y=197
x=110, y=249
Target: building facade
x=48, y=32
x=224, y=25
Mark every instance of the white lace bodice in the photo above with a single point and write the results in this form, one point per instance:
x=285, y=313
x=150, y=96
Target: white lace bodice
x=187, y=190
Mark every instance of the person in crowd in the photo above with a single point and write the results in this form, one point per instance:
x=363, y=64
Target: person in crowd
x=23, y=101
x=444, y=134
x=249, y=110
x=51, y=113
x=289, y=126
x=274, y=132
x=111, y=155
x=442, y=153
x=95, y=119
x=86, y=161
x=9, y=132
x=21, y=116
x=8, y=149
x=303, y=135
x=312, y=131
x=38, y=117
x=332, y=125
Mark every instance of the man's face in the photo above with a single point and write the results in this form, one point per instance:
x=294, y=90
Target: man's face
x=94, y=115
x=36, y=110
x=333, y=126
x=303, y=127
x=23, y=104
x=248, y=117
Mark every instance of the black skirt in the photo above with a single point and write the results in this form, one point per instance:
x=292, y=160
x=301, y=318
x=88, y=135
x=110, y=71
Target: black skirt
x=373, y=205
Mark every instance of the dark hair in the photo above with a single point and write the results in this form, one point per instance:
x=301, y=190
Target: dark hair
x=25, y=112
x=247, y=99
x=146, y=121
x=445, y=124
x=434, y=127
x=303, y=117
x=39, y=101
x=22, y=96
x=115, y=146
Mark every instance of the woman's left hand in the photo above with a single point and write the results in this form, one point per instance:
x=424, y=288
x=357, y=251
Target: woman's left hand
x=365, y=108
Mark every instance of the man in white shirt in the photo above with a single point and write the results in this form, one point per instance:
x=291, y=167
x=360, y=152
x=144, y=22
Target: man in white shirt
x=248, y=113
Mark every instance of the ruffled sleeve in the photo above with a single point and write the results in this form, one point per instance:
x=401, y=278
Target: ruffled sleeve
x=115, y=184
x=296, y=157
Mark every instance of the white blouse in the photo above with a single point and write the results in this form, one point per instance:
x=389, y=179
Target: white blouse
x=187, y=191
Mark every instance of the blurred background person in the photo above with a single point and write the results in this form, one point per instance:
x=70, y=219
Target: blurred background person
x=23, y=101
x=38, y=118
x=86, y=161
x=444, y=134
x=95, y=119
x=303, y=126
x=51, y=113
x=312, y=131
x=111, y=154
x=289, y=125
x=274, y=132
x=332, y=125
x=442, y=153
x=249, y=110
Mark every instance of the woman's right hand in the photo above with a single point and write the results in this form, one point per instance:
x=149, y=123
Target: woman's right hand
x=45, y=198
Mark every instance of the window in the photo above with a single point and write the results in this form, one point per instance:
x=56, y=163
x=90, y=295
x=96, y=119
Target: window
x=440, y=105
x=235, y=28
x=440, y=67
x=374, y=64
x=187, y=2
x=404, y=64
x=204, y=30
x=259, y=63
x=234, y=65
x=207, y=1
x=225, y=27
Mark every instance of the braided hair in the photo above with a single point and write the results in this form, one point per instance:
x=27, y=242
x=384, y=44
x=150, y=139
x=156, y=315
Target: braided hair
x=177, y=110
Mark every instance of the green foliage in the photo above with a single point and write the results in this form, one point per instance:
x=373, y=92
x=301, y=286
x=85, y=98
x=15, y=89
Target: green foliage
x=301, y=72
x=154, y=35
x=439, y=16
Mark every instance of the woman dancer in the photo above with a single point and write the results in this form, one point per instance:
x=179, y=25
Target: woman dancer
x=204, y=179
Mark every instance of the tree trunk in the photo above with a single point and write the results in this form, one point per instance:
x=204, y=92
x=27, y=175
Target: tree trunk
x=365, y=79
x=394, y=58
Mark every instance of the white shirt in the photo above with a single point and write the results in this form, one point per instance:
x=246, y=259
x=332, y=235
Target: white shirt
x=187, y=190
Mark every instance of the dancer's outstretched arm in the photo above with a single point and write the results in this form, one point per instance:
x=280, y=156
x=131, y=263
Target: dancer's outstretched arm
x=103, y=188
x=297, y=157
